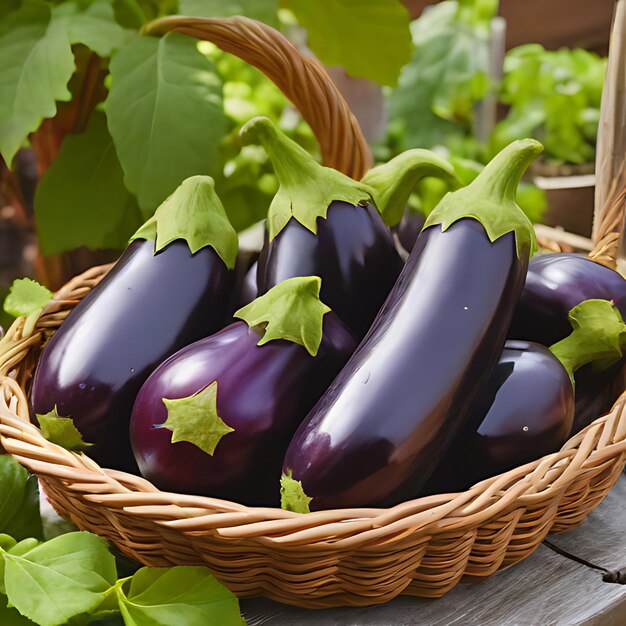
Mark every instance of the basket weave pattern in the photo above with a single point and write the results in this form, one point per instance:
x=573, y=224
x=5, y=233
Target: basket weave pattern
x=327, y=558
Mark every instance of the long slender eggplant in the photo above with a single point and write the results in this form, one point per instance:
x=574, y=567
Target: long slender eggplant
x=325, y=224
x=216, y=418
x=376, y=435
x=171, y=286
x=526, y=409
x=555, y=284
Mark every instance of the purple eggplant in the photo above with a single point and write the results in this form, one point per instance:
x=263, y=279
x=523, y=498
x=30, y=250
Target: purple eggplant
x=527, y=407
x=378, y=432
x=555, y=284
x=597, y=392
x=170, y=287
x=248, y=291
x=523, y=413
x=409, y=228
x=323, y=223
x=216, y=418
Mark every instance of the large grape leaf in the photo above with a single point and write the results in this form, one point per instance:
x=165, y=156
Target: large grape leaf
x=369, y=38
x=82, y=200
x=165, y=115
x=262, y=10
x=36, y=65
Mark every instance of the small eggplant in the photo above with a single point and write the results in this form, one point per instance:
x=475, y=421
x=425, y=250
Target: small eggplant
x=555, y=284
x=216, y=418
x=377, y=434
x=325, y=224
x=170, y=287
x=527, y=407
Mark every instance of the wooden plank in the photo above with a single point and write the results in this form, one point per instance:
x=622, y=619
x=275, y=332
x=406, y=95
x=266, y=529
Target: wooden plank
x=553, y=23
x=546, y=589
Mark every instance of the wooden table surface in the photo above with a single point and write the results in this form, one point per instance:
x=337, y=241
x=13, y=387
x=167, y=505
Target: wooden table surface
x=544, y=590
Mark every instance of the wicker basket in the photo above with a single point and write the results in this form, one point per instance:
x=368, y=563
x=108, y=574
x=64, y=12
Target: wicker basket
x=327, y=558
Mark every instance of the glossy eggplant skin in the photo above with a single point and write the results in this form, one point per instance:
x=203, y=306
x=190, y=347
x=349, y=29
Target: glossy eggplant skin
x=524, y=412
x=555, y=284
x=145, y=309
x=409, y=228
x=263, y=392
x=247, y=290
x=353, y=253
x=377, y=434
x=597, y=392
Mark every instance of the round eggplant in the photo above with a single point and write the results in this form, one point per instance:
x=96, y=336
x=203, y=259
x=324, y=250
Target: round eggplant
x=262, y=393
x=524, y=412
x=526, y=409
x=555, y=284
x=377, y=434
x=160, y=296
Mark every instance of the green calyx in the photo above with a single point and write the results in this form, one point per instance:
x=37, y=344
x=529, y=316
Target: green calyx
x=61, y=430
x=490, y=198
x=291, y=310
x=598, y=337
x=306, y=188
x=195, y=214
x=196, y=420
x=393, y=182
x=292, y=496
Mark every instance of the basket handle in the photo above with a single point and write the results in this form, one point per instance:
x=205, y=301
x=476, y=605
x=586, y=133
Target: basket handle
x=610, y=196
x=303, y=80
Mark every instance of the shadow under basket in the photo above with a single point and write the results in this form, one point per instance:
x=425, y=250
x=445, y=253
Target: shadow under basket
x=323, y=559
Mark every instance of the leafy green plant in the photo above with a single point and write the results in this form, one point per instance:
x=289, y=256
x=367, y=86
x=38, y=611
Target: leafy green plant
x=73, y=578
x=553, y=96
x=434, y=102
x=118, y=119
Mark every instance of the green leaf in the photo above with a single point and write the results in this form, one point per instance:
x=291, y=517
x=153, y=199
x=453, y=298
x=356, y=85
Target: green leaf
x=165, y=115
x=369, y=38
x=193, y=213
x=262, y=10
x=598, y=337
x=555, y=96
x=306, y=187
x=178, y=595
x=61, y=430
x=84, y=188
x=196, y=419
x=292, y=496
x=490, y=198
x=26, y=297
x=394, y=181
x=291, y=310
x=19, y=501
x=93, y=24
x=448, y=73
x=37, y=64
x=9, y=6
x=10, y=616
x=60, y=579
